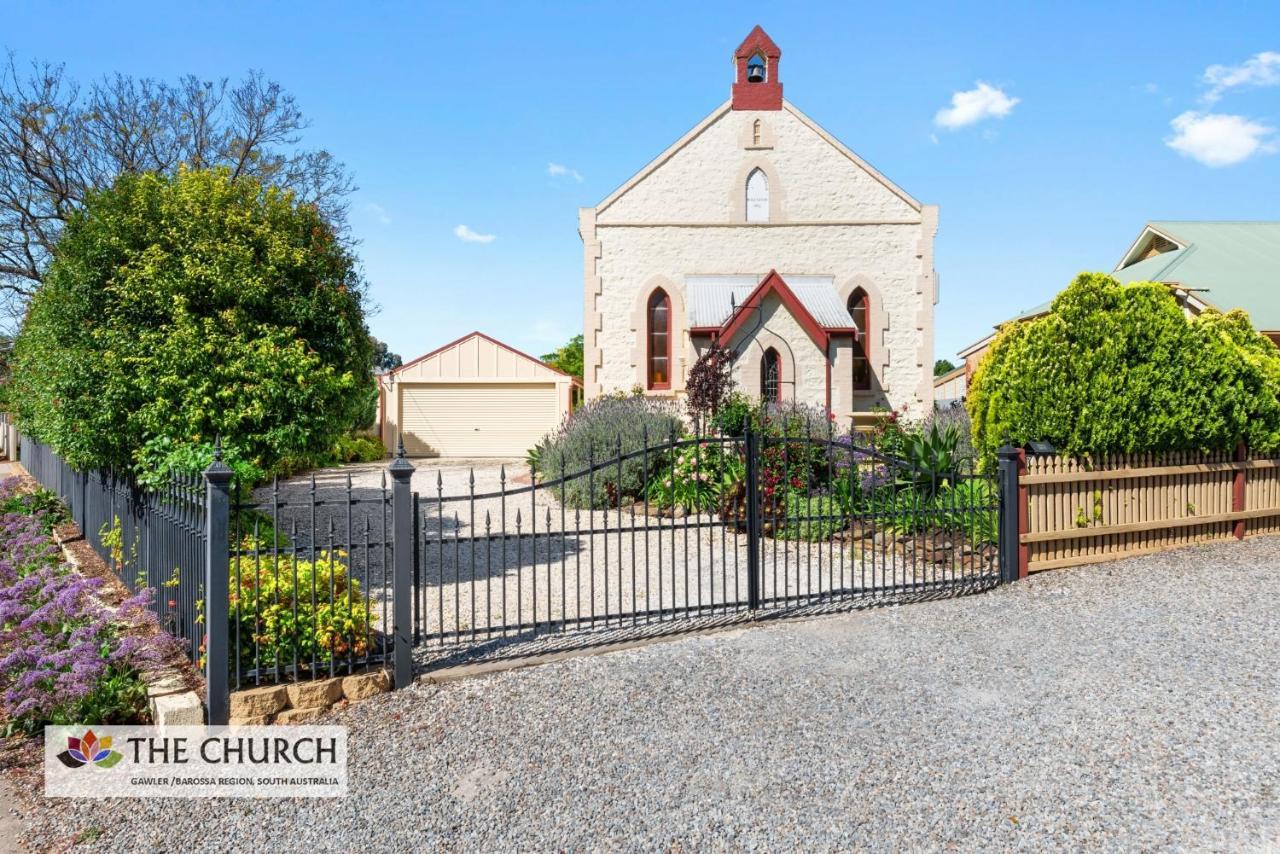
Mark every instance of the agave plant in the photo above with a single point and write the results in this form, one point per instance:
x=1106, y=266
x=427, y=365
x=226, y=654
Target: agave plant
x=932, y=458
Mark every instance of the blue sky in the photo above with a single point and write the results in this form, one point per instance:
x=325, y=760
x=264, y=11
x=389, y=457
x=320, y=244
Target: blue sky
x=451, y=115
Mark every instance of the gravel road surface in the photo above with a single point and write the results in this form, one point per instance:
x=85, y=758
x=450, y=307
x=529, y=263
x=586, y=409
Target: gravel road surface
x=1124, y=706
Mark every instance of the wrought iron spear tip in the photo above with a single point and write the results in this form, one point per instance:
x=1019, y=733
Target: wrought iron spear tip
x=217, y=448
x=400, y=447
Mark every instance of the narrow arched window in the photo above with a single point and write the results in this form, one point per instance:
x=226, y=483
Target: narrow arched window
x=771, y=376
x=658, y=338
x=859, y=313
x=757, y=196
x=755, y=132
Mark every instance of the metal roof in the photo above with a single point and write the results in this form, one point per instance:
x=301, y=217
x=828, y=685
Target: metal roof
x=1227, y=264
x=1237, y=264
x=710, y=299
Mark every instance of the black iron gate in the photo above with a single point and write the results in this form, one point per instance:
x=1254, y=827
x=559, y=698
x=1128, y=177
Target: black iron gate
x=687, y=531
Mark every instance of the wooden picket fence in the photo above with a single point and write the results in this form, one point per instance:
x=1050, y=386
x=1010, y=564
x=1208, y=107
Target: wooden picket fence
x=1079, y=511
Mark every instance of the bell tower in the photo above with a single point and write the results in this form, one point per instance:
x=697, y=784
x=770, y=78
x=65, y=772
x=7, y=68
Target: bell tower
x=756, y=82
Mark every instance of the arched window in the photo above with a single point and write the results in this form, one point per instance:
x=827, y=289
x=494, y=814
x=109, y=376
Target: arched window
x=755, y=132
x=658, y=337
x=771, y=376
x=860, y=314
x=757, y=196
x=756, y=70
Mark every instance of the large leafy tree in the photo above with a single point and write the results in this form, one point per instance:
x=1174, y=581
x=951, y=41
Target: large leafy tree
x=181, y=308
x=1121, y=369
x=568, y=358
x=59, y=141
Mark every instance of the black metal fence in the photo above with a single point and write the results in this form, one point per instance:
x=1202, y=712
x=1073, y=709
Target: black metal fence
x=719, y=526
x=322, y=577
x=151, y=538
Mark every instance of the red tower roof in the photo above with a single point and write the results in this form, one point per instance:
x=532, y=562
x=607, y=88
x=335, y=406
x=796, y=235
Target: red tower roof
x=765, y=94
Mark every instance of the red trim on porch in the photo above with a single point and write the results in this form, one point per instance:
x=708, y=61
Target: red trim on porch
x=774, y=284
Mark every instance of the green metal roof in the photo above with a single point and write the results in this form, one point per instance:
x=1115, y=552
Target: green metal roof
x=1237, y=264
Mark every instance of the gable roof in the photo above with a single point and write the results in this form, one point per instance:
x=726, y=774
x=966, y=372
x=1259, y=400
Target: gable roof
x=1229, y=264
x=715, y=115
x=710, y=300
x=477, y=334
x=759, y=40
x=773, y=284
x=1225, y=264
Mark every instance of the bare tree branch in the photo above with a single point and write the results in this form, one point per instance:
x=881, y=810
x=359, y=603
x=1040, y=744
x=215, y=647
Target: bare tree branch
x=58, y=143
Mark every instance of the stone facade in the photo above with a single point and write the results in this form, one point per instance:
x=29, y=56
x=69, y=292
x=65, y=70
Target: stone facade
x=830, y=214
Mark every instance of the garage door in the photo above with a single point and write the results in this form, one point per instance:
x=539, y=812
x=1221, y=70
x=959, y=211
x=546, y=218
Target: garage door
x=476, y=419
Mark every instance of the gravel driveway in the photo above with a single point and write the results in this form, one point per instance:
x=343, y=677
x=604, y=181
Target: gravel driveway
x=1124, y=706
x=524, y=560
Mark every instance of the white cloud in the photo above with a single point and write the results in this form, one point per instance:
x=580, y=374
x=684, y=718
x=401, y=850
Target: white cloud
x=1262, y=69
x=462, y=232
x=1217, y=139
x=983, y=102
x=378, y=212
x=559, y=170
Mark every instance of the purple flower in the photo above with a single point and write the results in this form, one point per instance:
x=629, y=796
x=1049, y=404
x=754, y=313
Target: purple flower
x=58, y=642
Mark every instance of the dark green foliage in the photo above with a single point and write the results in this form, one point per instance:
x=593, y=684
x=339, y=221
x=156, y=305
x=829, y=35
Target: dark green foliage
x=567, y=358
x=182, y=308
x=383, y=358
x=1120, y=369
x=931, y=459
x=811, y=517
x=956, y=415
x=594, y=434
x=735, y=413
x=943, y=366
x=41, y=503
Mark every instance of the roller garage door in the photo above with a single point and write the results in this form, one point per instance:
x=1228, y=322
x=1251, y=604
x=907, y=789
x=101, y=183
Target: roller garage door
x=476, y=419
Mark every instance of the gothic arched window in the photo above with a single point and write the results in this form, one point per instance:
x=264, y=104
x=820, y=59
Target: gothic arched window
x=860, y=314
x=757, y=196
x=771, y=376
x=658, y=340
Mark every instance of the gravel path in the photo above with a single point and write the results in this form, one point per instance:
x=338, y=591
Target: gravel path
x=1131, y=705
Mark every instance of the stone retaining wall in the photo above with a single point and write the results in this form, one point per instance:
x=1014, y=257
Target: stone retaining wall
x=303, y=702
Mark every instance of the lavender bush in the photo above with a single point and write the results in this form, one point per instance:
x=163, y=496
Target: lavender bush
x=64, y=656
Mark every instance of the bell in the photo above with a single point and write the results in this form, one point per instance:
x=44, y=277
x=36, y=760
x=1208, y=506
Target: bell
x=755, y=73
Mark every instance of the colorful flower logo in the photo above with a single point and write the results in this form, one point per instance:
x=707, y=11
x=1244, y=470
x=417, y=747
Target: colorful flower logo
x=89, y=750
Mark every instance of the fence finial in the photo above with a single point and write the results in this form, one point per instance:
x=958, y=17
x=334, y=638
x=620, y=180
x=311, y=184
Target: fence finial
x=217, y=448
x=400, y=447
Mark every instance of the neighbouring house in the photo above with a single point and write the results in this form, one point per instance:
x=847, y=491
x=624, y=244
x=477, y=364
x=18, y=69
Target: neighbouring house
x=950, y=388
x=1220, y=265
x=761, y=231
x=474, y=397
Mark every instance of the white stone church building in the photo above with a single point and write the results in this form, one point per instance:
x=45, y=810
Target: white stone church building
x=761, y=231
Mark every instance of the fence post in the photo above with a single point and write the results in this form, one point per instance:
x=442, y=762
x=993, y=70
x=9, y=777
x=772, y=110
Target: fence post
x=401, y=471
x=1012, y=563
x=752, y=441
x=1238, y=491
x=216, y=587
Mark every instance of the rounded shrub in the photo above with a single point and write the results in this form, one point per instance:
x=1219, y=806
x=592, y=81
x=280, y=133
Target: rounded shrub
x=1121, y=369
x=186, y=307
x=597, y=433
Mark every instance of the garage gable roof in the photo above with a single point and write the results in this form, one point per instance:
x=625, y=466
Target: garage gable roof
x=494, y=341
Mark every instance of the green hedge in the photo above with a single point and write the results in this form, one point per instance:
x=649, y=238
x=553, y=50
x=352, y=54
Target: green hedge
x=182, y=308
x=1121, y=369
